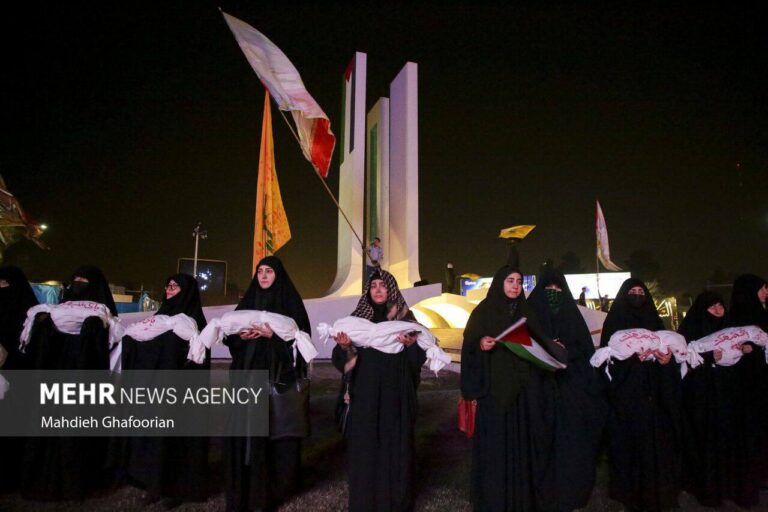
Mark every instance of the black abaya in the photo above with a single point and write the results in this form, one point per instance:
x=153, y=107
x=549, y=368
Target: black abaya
x=580, y=404
x=175, y=468
x=515, y=423
x=65, y=468
x=15, y=300
x=644, y=420
x=260, y=472
x=382, y=415
x=718, y=447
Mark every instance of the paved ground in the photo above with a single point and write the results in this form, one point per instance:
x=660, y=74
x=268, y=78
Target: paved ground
x=442, y=463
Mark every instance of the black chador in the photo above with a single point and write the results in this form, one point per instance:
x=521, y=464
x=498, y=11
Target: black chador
x=515, y=424
x=172, y=468
x=16, y=297
x=581, y=407
x=748, y=307
x=261, y=473
x=69, y=468
x=644, y=419
x=718, y=445
x=382, y=415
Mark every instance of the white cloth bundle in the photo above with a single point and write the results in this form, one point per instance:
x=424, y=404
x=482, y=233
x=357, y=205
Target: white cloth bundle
x=628, y=342
x=68, y=317
x=383, y=337
x=182, y=326
x=235, y=321
x=4, y=387
x=729, y=341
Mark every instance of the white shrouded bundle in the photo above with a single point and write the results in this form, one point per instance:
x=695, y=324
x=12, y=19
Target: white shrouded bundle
x=628, y=342
x=68, y=318
x=383, y=337
x=235, y=321
x=729, y=342
x=182, y=326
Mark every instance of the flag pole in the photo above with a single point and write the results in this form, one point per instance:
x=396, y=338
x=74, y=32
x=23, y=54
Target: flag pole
x=597, y=255
x=327, y=189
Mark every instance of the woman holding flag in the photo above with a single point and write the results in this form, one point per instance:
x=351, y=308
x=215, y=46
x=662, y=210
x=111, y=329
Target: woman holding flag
x=515, y=392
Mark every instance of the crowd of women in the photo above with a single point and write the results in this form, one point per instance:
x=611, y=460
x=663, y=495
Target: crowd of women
x=538, y=432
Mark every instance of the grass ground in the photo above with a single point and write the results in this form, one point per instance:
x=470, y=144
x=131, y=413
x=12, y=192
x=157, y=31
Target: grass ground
x=442, y=472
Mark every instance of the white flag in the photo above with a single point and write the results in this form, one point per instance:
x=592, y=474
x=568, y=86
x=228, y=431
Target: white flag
x=284, y=83
x=603, y=251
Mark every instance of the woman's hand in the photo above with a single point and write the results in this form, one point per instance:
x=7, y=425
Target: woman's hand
x=645, y=355
x=264, y=330
x=661, y=357
x=487, y=343
x=342, y=340
x=717, y=354
x=406, y=339
x=746, y=348
x=249, y=334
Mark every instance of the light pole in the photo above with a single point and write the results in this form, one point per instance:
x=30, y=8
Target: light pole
x=198, y=233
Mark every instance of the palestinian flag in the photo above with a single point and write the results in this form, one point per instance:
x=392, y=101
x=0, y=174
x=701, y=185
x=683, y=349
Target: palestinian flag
x=517, y=339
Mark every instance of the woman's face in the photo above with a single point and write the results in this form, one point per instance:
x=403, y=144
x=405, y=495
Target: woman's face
x=172, y=289
x=378, y=291
x=266, y=276
x=513, y=285
x=79, y=279
x=717, y=310
x=636, y=290
x=553, y=286
x=762, y=293
x=4, y=283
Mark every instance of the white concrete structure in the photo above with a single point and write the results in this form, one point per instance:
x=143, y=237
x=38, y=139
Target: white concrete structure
x=349, y=269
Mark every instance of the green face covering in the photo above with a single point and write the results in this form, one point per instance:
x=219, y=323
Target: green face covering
x=554, y=299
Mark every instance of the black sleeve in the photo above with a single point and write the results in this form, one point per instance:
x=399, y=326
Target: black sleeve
x=474, y=362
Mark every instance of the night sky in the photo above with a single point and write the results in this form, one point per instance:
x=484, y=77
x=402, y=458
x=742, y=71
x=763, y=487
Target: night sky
x=126, y=123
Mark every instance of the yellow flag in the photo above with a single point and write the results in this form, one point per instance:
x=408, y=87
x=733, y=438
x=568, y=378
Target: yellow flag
x=516, y=231
x=272, y=230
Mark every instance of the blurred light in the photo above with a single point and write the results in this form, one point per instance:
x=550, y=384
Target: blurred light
x=43, y=226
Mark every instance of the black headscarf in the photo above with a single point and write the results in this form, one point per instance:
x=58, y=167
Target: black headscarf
x=746, y=308
x=491, y=317
x=187, y=301
x=625, y=315
x=394, y=309
x=95, y=290
x=699, y=322
x=281, y=297
x=565, y=321
x=15, y=300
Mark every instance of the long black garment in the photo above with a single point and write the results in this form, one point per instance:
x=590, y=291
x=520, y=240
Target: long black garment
x=261, y=473
x=746, y=309
x=382, y=415
x=68, y=468
x=580, y=403
x=15, y=300
x=718, y=445
x=644, y=424
x=168, y=467
x=515, y=423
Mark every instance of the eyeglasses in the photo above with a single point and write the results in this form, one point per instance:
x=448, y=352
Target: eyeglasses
x=172, y=286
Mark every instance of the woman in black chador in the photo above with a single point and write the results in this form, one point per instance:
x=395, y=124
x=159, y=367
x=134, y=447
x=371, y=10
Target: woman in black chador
x=262, y=472
x=382, y=392
x=748, y=307
x=718, y=446
x=171, y=468
x=69, y=468
x=644, y=419
x=514, y=429
x=16, y=297
x=581, y=405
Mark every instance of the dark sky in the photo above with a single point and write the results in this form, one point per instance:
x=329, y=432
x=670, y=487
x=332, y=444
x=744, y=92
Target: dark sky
x=126, y=123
